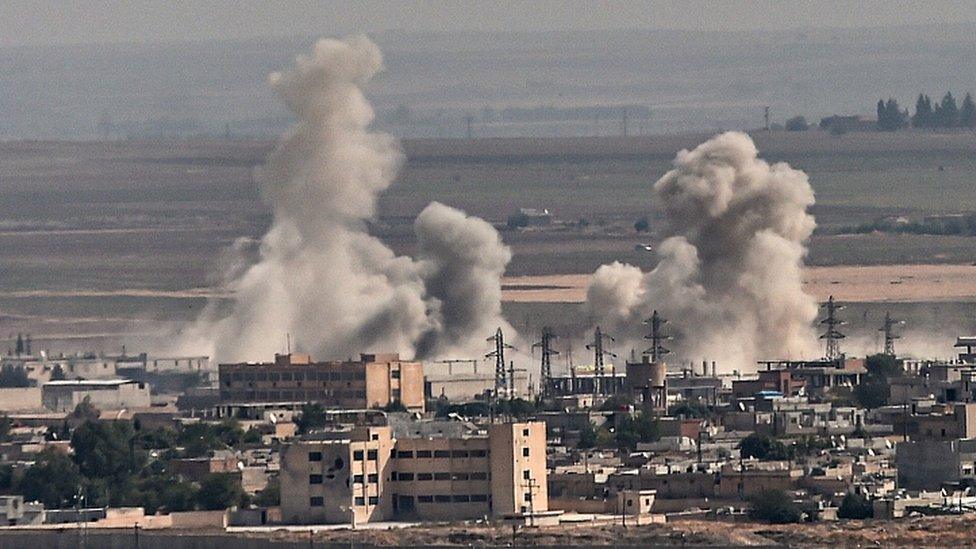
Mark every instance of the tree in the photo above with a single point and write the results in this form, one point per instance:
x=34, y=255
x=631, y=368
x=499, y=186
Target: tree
x=395, y=406
x=967, y=114
x=639, y=428
x=587, y=437
x=5, y=425
x=86, y=411
x=221, y=490
x=57, y=374
x=14, y=376
x=883, y=366
x=797, y=124
x=948, y=113
x=855, y=506
x=107, y=450
x=775, y=507
x=923, y=112
x=313, y=417
x=642, y=225
x=890, y=115
x=53, y=480
x=763, y=447
x=271, y=495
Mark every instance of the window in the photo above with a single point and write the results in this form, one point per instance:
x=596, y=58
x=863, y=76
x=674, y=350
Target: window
x=373, y=477
x=459, y=453
x=527, y=496
x=357, y=455
x=462, y=499
x=315, y=456
x=479, y=453
x=405, y=454
x=479, y=497
x=460, y=476
x=630, y=503
x=441, y=454
x=424, y=476
x=526, y=475
x=315, y=479
x=525, y=452
x=423, y=453
x=371, y=454
x=316, y=501
x=395, y=374
x=442, y=476
x=357, y=479
x=425, y=499
x=525, y=432
x=285, y=376
x=406, y=476
x=479, y=476
x=442, y=499
x=374, y=500
x=392, y=453
x=359, y=500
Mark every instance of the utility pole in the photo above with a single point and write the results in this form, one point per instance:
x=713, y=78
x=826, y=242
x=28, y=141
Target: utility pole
x=598, y=352
x=532, y=484
x=501, y=384
x=469, y=120
x=657, y=350
x=547, y=351
x=831, y=334
x=889, y=333
x=766, y=117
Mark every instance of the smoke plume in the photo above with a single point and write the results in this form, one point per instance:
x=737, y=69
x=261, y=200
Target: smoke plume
x=320, y=276
x=729, y=271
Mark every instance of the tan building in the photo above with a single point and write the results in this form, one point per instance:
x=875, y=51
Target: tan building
x=104, y=394
x=375, y=381
x=366, y=474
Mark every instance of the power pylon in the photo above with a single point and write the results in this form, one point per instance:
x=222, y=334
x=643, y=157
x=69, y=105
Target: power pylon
x=889, y=333
x=598, y=352
x=501, y=383
x=657, y=350
x=545, y=372
x=831, y=334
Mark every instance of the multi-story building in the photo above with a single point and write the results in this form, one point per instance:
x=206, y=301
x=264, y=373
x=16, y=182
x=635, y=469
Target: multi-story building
x=104, y=394
x=374, y=473
x=375, y=381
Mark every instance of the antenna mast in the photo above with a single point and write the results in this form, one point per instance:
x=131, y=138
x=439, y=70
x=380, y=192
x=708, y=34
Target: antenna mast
x=598, y=368
x=547, y=351
x=889, y=333
x=831, y=334
x=657, y=350
x=501, y=384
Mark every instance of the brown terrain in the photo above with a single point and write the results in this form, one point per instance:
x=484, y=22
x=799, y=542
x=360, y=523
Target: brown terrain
x=850, y=283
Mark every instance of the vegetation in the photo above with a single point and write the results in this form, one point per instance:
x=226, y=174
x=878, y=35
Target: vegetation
x=14, y=376
x=220, y=491
x=53, y=480
x=797, y=124
x=312, y=417
x=855, y=506
x=642, y=225
x=616, y=403
x=890, y=115
x=775, y=507
x=873, y=389
x=635, y=429
x=763, y=447
x=690, y=409
x=271, y=495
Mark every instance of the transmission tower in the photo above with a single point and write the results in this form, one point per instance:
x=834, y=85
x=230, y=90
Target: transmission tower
x=547, y=351
x=598, y=352
x=889, y=333
x=657, y=350
x=501, y=383
x=831, y=334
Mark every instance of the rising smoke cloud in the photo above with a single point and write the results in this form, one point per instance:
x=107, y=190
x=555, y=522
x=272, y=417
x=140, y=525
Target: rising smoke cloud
x=320, y=276
x=729, y=270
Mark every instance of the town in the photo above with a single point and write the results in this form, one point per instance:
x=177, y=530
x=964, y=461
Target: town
x=179, y=443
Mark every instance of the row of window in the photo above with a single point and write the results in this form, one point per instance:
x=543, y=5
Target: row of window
x=457, y=498
x=455, y=454
x=319, y=501
x=407, y=477
x=296, y=376
x=311, y=394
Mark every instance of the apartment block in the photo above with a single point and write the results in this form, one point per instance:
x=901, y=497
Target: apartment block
x=374, y=381
x=369, y=474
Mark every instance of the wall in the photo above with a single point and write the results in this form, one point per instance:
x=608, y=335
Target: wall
x=20, y=399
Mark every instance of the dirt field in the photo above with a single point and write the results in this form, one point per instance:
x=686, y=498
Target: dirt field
x=850, y=283
x=915, y=532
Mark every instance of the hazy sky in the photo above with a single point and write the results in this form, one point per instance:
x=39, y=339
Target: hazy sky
x=41, y=22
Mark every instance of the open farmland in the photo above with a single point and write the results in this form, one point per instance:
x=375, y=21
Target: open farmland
x=99, y=239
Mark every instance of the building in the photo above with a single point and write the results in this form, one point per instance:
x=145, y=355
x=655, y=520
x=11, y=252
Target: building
x=822, y=375
x=927, y=464
x=780, y=381
x=451, y=471
x=104, y=394
x=374, y=381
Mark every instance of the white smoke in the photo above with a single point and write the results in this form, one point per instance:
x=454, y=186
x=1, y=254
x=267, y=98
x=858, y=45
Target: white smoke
x=729, y=271
x=321, y=277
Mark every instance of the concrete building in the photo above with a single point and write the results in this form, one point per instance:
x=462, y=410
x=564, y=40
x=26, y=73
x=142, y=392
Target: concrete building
x=822, y=375
x=104, y=394
x=375, y=381
x=372, y=474
x=928, y=464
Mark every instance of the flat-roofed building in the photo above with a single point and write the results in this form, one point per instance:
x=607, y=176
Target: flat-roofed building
x=371, y=474
x=374, y=381
x=104, y=394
